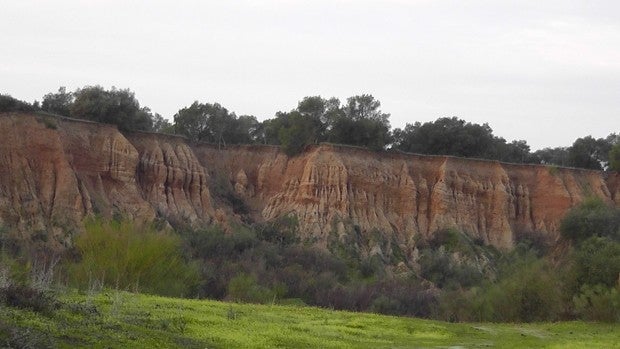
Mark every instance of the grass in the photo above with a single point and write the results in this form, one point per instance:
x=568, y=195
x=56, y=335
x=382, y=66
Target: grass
x=113, y=319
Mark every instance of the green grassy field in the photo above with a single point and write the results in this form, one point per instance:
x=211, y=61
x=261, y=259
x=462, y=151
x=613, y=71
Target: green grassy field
x=124, y=320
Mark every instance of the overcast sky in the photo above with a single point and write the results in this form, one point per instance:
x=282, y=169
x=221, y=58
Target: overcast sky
x=544, y=71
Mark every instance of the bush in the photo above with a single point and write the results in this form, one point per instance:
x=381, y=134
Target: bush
x=592, y=218
x=34, y=293
x=598, y=303
x=529, y=291
x=597, y=261
x=28, y=297
x=282, y=230
x=244, y=288
x=127, y=256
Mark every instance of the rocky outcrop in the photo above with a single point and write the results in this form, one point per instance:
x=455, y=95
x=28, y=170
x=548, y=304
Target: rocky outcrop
x=55, y=172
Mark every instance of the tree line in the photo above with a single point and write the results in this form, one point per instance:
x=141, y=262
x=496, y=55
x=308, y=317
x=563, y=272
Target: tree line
x=359, y=121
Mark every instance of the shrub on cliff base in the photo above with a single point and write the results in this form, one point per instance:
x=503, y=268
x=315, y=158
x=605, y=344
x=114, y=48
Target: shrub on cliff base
x=124, y=255
x=592, y=218
x=597, y=261
x=598, y=303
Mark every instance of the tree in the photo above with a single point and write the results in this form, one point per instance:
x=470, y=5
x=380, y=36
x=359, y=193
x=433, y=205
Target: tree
x=448, y=136
x=161, y=125
x=614, y=157
x=58, y=103
x=591, y=218
x=361, y=123
x=597, y=261
x=298, y=132
x=118, y=107
x=246, y=130
x=10, y=104
x=515, y=151
x=205, y=122
x=323, y=113
x=552, y=156
x=589, y=153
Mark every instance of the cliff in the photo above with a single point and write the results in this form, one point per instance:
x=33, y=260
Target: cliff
x=55, y=172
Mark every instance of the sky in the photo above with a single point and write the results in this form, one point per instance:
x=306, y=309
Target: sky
x=546, y=71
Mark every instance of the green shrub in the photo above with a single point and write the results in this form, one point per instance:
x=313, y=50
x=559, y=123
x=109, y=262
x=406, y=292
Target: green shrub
x=245, y=288
x=123, y=255
x=282, y=230
x=530, y=291
x=597, y=261
x=598, y=303
x=592, y=218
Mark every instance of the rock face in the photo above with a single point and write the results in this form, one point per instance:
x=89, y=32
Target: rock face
x=55, y=172
x=333, y=189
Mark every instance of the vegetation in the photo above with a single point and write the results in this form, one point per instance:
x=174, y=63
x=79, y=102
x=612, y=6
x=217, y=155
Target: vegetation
x=115, y=319
x=358, y=122
x=125, y=256
x=453, y=277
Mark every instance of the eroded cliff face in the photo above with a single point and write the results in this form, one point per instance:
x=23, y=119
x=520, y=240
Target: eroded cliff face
x=337, y=189
x=56, y=172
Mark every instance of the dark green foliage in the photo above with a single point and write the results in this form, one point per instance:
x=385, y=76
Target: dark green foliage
x=10, y=104
x=453, y=136
x=452, y=260
x=614, y=157
x=58, y=103
x=307, y=124
x=597, y=262
x=598, y=303
x=298, y=132
x=591, y=218
x=282, y=231
x=28, y=297
x=161, y=125
x=213, y=242
x=527, y=290
x=222, y=189
x=118, y=107
x=446, y=136
x=244, y=288
x=588, y=152
x=537, y=242
x=553, y=156
x=205, y=122
x=361, y=123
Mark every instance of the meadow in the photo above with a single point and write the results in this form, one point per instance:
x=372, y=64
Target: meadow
x=115, y=319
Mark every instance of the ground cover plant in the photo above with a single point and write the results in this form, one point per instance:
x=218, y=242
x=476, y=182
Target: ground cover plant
x=117, y=319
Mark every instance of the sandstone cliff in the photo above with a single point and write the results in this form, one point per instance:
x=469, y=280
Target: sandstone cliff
x=54, y=172
x=329, y=187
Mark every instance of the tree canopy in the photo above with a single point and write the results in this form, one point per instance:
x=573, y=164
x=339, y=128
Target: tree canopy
x=359, y=122
x=457, y=137
x=206, y=122
x=114, y=106
x=58, y=103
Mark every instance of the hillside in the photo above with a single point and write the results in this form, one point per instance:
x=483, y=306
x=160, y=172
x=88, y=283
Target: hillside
x=54, y=172
x=114, y=319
